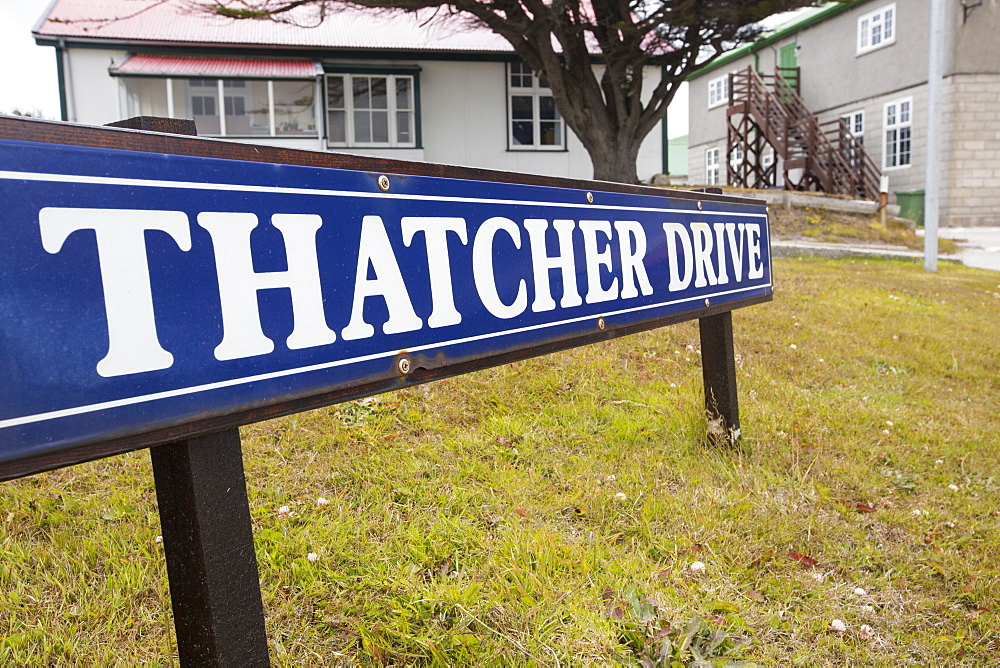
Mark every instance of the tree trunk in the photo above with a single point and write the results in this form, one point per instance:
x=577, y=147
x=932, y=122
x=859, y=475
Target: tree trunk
x=614, y=160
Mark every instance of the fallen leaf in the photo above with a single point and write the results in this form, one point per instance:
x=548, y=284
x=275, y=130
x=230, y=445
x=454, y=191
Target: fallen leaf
x=754, y=595
x=762, y=559
x=802, y=559
x=520, y=511
x=863, y=508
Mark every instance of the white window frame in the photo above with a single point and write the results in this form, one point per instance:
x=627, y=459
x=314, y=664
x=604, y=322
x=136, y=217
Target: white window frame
x=897, y=116
x=217, y=92
x=736, y=158
x=537, y=90
x=712, y=166
x=392, y=109
x=853, y=119
x=877, y=29
x=718, y=91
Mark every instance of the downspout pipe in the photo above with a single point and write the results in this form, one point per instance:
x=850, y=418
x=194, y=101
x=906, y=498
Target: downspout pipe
x=67, y=103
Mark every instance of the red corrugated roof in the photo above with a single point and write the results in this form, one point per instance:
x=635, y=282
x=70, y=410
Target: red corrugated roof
x=218, y=67
x=174, y=22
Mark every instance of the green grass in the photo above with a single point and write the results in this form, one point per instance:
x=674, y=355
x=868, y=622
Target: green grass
x=548, y=512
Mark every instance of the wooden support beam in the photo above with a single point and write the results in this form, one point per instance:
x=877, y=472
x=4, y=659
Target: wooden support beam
x=208, y=541
x=718, y=366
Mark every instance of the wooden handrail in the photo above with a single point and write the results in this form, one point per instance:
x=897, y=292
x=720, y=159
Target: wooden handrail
x=834, y=158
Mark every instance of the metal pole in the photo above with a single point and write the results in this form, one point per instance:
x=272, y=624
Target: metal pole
x=932, y=186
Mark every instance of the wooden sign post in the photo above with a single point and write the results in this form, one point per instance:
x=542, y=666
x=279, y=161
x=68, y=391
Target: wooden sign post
x=159, y=291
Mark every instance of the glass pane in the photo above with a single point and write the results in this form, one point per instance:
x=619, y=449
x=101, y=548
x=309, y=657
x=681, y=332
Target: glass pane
x=362, y=127
x=404, y=131
x=379, y=93
x=202, y=103
x=547, y=108
x=337, y=127
x=403, y=97
x=258, y=113
x=890, y=115
x=295, y=108
x=904, y=146
x=521, y=107
x=335, y=92
x=551, y=133
x=235, y=106
x=362, y=100
x=148, y=97
x=380, y=127
x=890, y=148
x=523, y=133
x=904, y=112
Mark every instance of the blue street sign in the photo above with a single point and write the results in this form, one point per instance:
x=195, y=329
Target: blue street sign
x=139, y=291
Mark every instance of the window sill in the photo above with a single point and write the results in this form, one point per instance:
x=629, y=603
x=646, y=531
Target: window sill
x=721, y=103
x=897, y=168
x=870, y=49
x=539, y=149
x=301, y=136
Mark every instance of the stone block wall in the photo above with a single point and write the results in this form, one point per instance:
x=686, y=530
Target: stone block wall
x=970, y=196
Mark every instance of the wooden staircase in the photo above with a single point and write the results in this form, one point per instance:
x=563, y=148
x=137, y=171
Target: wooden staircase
x=768, y=111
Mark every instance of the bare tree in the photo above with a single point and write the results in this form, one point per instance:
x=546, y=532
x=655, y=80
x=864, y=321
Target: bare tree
x=591, y=53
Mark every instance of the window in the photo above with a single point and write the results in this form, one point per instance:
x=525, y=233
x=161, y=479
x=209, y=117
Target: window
x=856, y=125
x=371, y=110
x=249, y=107
x=898, y=138
x=718, y=91
x=534, y=122
x=767, y=160
x=877, y=29
x=712, y=167
x=228, y=107
x=736, y=158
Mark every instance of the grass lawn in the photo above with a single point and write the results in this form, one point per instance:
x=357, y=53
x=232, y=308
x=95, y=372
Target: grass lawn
x=566, y=511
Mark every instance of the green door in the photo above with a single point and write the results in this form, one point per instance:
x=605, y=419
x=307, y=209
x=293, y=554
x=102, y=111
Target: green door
x=788, y=64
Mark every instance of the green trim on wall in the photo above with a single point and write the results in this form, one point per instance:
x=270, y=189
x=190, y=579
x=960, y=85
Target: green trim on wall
x=348, y=68
x=825, y=13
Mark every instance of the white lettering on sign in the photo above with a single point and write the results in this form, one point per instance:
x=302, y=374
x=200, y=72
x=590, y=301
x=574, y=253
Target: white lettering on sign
x=632, y=250
x=485, y=276
x=596, y=259
x=541, y=263
x=376, y=251
x=133, y=346
x=613, y=261
x=436, y=232
x=239, y=283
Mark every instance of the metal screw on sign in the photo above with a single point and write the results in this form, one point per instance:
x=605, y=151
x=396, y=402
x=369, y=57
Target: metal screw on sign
x=404, y=365
x=699, y=206
x=590, y=198
x=383, y=183
x=600, y=324
x=708, y=303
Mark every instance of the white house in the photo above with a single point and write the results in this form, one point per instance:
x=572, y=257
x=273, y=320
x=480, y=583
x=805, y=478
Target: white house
x=410, y=86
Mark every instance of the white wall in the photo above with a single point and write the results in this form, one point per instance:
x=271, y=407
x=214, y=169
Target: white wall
x=463, y=117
